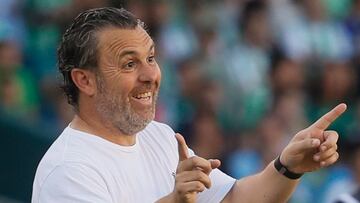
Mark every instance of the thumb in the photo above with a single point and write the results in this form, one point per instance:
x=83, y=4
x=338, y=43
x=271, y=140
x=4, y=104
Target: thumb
x=182, y=147
x=215, y=163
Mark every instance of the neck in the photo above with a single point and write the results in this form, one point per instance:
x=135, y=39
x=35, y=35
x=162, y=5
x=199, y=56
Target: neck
x=90, y=124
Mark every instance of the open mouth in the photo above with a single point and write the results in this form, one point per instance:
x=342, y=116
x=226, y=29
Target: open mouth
x=143, y=98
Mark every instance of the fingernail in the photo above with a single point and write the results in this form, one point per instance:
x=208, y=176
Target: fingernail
x=323, y=148
x=322, y=163
x=316, y=157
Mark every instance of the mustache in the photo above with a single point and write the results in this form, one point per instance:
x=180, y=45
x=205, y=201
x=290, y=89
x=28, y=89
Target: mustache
x=148, y=87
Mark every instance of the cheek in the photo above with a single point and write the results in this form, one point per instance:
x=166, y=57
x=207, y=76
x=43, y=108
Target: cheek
x=121, y=87
x=158, y=74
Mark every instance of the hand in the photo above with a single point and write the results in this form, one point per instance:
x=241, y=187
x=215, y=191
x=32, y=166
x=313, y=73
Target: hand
x=192, y=174
x=313, y=147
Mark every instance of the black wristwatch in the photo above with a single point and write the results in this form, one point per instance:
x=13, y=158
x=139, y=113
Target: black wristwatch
x=285, y=171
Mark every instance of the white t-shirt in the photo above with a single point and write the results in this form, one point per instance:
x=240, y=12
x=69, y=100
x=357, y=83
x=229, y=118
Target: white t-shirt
x=80, y=167
x=346, y=198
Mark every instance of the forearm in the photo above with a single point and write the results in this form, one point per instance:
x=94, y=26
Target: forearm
x=167, y=199
x=268, y=186
x=309, y=150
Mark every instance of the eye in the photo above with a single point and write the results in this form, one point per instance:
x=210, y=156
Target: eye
x=130, y=65
x=151, y=59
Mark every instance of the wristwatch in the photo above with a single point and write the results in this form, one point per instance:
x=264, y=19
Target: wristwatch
x=285, y=171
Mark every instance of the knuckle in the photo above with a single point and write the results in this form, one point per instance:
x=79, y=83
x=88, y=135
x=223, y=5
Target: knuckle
x=326, y=155
x=329, y=153
x=202, y=176
x=208, y=182
x=201, y=163
x=316, y=132
x=179, y=189
x=205, y=179
x=199, y=186
x=332, y=153
x=309, y=142
x=208, y=164
x=332, y=159
x=200, y=160
x=333, y=148
x=194, y=160
x=197, y=159
x=197, y=173
x=305, y=132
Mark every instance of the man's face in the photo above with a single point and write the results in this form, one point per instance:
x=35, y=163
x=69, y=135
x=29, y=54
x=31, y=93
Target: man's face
x=128, y=80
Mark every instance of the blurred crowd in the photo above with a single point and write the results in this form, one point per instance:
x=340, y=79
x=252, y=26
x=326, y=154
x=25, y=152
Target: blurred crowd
x=240, y=77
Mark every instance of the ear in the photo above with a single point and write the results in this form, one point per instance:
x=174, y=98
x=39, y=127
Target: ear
x=84, y=80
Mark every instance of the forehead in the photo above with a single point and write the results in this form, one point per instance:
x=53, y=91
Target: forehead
x=116, y=39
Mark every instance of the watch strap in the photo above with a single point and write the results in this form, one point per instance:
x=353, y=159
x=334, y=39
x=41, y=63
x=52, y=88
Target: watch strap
x=285, y=171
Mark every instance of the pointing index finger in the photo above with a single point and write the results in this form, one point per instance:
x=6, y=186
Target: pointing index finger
x=324, y=122
x=182, y=147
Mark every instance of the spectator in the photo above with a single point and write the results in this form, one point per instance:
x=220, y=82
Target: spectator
x=18, y=90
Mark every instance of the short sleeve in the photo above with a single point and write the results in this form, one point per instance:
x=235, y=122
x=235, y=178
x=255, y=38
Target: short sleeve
x=221, y=184
x=73, y=182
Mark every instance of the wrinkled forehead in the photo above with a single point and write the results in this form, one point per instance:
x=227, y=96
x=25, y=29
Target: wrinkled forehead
x=115, y=40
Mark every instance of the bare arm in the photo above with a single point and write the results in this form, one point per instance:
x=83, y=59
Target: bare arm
x=268, y=186
x=309, y=150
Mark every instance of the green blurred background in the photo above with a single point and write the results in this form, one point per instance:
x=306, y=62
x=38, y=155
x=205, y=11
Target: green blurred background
x=240, y=78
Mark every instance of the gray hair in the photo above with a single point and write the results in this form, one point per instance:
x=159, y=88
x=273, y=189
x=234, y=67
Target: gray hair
x=78, y=47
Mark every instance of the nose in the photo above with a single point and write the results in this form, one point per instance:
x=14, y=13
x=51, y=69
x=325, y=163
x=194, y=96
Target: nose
x=149, y=73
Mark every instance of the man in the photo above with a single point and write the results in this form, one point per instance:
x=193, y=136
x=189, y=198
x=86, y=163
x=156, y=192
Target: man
x=113, y=151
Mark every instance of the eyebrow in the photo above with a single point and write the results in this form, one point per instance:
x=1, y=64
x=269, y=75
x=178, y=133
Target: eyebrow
x=131, y=52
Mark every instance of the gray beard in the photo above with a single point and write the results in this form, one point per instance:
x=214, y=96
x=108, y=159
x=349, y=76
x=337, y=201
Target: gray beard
x=118, y=112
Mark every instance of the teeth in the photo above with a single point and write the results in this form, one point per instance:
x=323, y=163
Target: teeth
x=143, y=95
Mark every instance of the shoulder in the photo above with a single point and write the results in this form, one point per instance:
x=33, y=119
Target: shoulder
x=68, y=148
x=74, y=171
x=83, y=180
